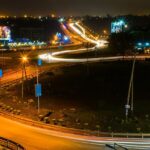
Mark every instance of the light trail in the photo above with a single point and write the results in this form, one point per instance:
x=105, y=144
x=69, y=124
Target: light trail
x=82, y=33
x=52, y=57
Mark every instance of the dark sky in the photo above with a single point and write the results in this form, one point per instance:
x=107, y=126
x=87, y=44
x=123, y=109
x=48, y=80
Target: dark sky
x=74, y=7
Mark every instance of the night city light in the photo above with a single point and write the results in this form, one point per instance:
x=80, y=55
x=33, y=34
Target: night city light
x=74, y=75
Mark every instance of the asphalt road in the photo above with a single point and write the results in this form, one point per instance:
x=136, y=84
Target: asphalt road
x=33, y=138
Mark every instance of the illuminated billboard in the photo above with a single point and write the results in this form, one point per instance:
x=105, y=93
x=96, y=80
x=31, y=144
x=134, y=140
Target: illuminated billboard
x=5, y=33
x=118, y=26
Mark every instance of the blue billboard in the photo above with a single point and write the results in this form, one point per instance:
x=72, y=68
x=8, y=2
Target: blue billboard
x=38, y=90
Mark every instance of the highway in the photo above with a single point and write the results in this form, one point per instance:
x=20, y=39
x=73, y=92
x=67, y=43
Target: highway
x=53, y=57
x=82, y=32
x=78, y=29
x=33, y=138
x=75, y=39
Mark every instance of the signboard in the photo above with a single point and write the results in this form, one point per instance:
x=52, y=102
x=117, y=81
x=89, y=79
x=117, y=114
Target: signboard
x=39, y=62
x=38, y=90
x=1, y=73
x=118, y=26
x=5, y=33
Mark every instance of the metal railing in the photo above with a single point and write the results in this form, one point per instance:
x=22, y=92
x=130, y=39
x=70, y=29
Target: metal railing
x=115, y=146
x=10, y=144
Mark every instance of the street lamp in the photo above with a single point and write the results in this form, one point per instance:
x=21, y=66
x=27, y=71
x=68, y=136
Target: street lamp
x=38, y=87
x=129, y=106
x=24, y=60
x=105, y=32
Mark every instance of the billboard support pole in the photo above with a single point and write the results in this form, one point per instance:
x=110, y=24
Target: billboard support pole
x=38, y=96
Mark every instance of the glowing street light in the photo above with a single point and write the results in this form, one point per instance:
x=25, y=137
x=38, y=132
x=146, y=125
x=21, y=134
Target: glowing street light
x=139, y=44
x=53, y=42
x=61, y=20
x=126, y=26
x=33, y=47
x=24, y=61
x=147, y=44
x=53, y=15
x=105, y=31
x=25, y=16
x=55, y=37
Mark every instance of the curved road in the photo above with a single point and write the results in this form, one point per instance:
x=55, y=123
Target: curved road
x=53, y=57
x=33, y=138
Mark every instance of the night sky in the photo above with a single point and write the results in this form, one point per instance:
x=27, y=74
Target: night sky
x=74, y=7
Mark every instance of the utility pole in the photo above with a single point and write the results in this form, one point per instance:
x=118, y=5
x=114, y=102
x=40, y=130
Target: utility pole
x=24, y=75
x=87, y=63
x=38, y=97
x=22, y=82
x=38, y=90
x=132, y=95
x=130, y=90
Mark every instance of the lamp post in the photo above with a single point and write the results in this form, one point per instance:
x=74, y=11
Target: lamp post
x=130, y=90
x=1, y=75
x=38, y=97
x=87, y=62
x=24, y=61
x=38, y=88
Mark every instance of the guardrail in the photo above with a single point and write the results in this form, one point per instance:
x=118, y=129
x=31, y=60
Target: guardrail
x=115, y=146
x=73, y=130
x=10, y=144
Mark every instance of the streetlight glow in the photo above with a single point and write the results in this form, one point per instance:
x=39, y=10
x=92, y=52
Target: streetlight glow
x=24, y=59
